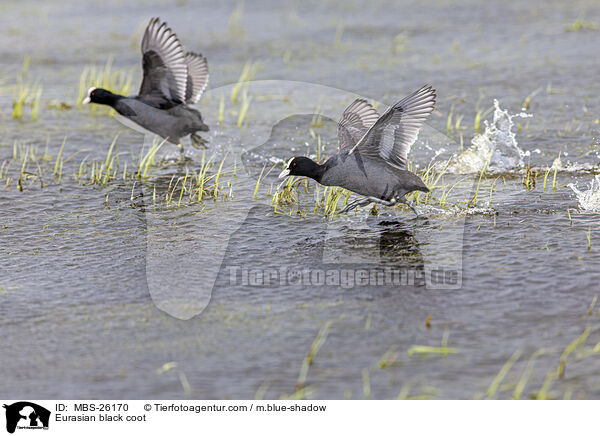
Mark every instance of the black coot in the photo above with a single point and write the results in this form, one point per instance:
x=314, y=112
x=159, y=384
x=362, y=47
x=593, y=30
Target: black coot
x=373, y=151
x=173, y=79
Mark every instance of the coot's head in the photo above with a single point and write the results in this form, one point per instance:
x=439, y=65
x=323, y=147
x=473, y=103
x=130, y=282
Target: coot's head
x=100, y=96
x=302, y=166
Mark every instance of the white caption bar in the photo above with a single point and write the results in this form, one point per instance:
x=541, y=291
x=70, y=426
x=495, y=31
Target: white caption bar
x=23, y=417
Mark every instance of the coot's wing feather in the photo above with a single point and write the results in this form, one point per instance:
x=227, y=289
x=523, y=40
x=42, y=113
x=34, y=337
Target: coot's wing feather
x=165, y=69
x=391, y=137
x=197, y=76
x=355, y=121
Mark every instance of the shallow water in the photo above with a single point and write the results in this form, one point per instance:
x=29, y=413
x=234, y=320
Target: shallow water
x=101, y=286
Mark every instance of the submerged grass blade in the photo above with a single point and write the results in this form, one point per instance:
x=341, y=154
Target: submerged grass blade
x=58, y=160
x=424, y=349
x=314, y=349
x=491, y=391
x=579, y=341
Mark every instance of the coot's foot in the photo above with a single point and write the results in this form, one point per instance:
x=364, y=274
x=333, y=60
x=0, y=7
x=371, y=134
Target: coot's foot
x=413, y=208
x=366, y=201
x=355, y=204
x=198, y=142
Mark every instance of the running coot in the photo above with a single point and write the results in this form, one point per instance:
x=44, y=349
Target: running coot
x=373, y=152
x=173, y=79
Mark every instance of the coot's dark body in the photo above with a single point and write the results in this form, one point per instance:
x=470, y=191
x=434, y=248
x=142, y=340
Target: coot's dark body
x=369, y=178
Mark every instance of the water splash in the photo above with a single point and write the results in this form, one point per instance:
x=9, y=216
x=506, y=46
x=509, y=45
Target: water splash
x=589, y=199
x=454, y=211
x=497, y=146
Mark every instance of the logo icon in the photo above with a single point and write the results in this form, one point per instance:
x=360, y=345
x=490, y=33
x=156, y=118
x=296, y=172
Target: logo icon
x=26, y=415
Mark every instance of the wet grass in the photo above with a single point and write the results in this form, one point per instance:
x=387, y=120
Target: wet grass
x=491, y=391
x=310, y=357
x=328, y=201
x=32, y=167
x=456, y=128
x=576, y=351
x=171, y=366
x=581, y=24
x=286, y=196
x=517, y=378
x=286, y=193
x=539, y=374
x=239, y=97
x=248, y=72
x=26, y=94
x=425, y=350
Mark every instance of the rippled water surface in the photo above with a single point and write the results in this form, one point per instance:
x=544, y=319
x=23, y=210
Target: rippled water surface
x=104, y=280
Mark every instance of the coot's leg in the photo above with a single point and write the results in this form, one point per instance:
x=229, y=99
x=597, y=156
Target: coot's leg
x=391, y=202
x=412, y=206
x=367, y=200
x=394, y=201
x=355, y=204
x=181, y=151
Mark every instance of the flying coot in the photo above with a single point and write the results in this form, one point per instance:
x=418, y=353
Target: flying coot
x=373, y=152
x=173, y=79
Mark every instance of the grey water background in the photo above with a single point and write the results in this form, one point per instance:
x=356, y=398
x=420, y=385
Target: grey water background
x=76, y=311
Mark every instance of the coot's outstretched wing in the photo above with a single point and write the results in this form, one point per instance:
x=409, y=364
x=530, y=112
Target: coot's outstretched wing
x=165, y=69
x=391, y=137
x=197, y=76
x=355, y=122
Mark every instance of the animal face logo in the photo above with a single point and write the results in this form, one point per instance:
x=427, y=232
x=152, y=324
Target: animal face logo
x=26, y=415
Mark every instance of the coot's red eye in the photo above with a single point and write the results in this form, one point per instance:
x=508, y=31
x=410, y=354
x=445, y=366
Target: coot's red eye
x=293, y=165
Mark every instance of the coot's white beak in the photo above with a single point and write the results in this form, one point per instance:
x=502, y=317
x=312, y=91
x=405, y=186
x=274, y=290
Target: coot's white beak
x=88, y=98
x=286, y=172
